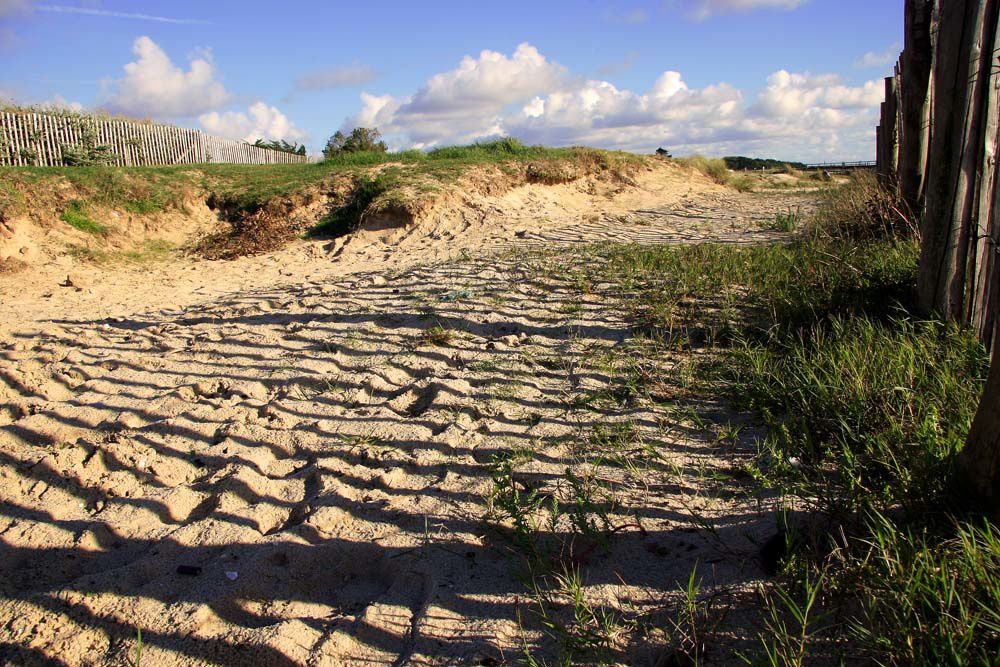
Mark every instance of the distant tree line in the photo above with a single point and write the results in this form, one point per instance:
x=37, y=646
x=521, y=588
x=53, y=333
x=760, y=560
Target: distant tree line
x=283, y=146
x=740, y=163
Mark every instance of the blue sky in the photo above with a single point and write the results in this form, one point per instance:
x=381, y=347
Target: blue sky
x=792, y=79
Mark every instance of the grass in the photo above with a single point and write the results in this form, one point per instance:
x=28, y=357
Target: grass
x=367, y=190
x=143, y=206
x=865, y=401
x=871, y=412
x=153, y=250
x=247, y=188
x=437, y=335
x=787, y=221
x=714, y=168
x=256, y=199
x=76, y=215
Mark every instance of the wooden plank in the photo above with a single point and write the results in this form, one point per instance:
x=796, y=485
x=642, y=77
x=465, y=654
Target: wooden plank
x=41, y=143
x=890, y=135
x=157, y=145
x=34, y=133
x=18, y=141
x=55, y=152
x=4, y=140
x=982, y=277
x=8, y=140
x=953, y=160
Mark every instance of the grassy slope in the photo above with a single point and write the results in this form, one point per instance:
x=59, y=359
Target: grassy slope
x=257, y=199
x=248, y=187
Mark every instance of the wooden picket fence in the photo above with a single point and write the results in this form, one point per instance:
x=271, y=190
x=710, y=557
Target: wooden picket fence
x=37, y=138
x=937, y=144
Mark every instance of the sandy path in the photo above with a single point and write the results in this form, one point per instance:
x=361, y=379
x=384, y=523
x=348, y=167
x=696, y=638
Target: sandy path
x=321, y=450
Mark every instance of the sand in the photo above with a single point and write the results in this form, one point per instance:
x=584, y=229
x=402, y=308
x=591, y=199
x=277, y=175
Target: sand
x=282, y=460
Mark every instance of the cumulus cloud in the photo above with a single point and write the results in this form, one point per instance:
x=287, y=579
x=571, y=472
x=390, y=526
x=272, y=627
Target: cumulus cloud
x=154, y=86
x=260, y=122
x=794, y=115
x=704, y=9
x=788, y=94
x=336, y=77
x=466, y=102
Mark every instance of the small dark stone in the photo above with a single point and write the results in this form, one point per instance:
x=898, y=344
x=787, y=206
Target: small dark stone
x=189, y=570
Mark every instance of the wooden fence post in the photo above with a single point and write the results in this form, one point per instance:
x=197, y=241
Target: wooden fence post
x=961, y=79
x=916, y=63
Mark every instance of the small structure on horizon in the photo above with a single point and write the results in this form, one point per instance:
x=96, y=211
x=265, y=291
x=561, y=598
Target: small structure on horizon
x=663, y=152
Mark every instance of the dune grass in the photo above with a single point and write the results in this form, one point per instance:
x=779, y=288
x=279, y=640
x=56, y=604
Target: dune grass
x=865, y=402
x=714, y=168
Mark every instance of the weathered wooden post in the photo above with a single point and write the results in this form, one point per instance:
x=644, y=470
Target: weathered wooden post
x=916, y=63
x=962, y=76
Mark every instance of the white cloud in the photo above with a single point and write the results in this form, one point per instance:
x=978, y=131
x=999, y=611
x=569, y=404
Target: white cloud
x=260, y=122
x=92, y=11
x=789, y=94
x=336, y=77
x=874, y=59
x=704, y=9
x=793, y=116
x=60, y=102
x=154, y=86
x=464, y=103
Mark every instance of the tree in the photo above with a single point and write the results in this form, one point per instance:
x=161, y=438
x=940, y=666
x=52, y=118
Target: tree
x=361, y=139
x=334, y=145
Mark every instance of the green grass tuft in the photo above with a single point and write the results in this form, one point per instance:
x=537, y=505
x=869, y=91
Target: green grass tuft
x=75, y=215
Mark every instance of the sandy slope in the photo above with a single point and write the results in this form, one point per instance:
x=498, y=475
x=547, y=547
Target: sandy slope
x=291, y=427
